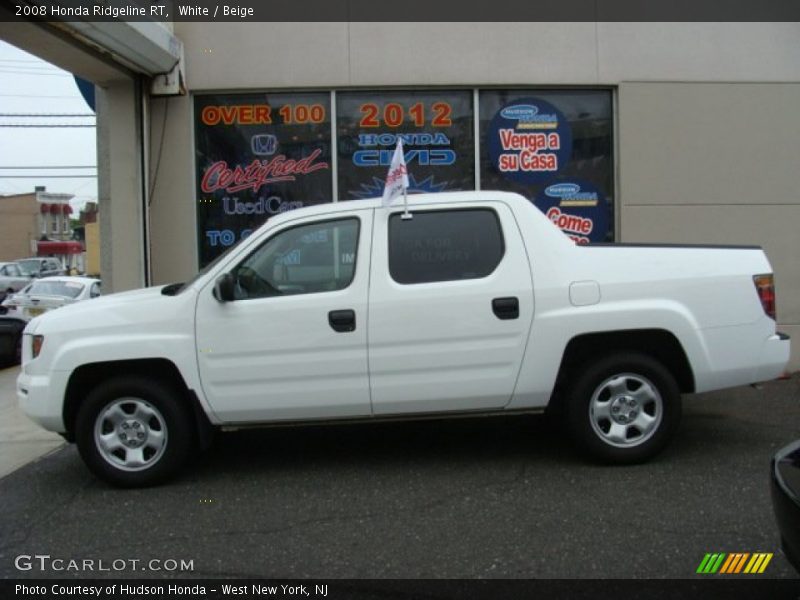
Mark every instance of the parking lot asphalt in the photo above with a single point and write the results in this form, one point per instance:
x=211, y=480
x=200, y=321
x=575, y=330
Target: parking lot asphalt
x=501, y=497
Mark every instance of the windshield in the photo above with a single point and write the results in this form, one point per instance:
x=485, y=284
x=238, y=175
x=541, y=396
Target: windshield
x=29, y=267
x=68, y=289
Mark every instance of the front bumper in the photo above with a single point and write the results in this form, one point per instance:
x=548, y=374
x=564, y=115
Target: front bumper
x=785, y=487
x=41, y=397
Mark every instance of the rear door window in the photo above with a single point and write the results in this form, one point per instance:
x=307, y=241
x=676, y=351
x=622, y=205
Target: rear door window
x=446, y=245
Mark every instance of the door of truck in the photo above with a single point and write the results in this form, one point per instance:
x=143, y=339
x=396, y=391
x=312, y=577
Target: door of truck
x=293, y=344
x=450, y=308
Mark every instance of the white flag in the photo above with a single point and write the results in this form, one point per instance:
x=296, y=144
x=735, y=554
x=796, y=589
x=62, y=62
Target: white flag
x=397, y=178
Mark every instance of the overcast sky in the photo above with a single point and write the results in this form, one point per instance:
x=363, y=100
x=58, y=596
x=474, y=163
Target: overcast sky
x=29, y=85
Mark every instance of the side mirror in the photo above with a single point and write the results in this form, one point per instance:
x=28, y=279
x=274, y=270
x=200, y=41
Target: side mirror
x=224, y=288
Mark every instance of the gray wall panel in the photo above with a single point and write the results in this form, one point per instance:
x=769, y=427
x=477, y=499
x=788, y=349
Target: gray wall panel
x=699, y=51
x=709, y=143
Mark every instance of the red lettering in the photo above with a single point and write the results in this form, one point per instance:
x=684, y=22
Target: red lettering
x=263, y=115
x=396, y=174
x=570, y=223
x=219, y=176
x=511, y=140
x=533, y=161
x=246, y=115
x=210, y=115
x=228, y=114
x=241, y=114
x=508, y=162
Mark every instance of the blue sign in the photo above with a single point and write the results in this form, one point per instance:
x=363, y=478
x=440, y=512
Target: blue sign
x=530, y=141
x=576, y=207
x=86, y=88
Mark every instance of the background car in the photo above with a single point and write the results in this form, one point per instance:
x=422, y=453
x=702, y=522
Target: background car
x=41, y=267
x=49, y=293
x=785, y=480
x=12, y=279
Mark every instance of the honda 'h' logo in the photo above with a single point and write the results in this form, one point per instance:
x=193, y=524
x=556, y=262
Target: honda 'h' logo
x=264, y=144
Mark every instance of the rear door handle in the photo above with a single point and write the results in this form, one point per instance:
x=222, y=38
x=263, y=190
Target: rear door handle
x=342, y=320
x=506, y=308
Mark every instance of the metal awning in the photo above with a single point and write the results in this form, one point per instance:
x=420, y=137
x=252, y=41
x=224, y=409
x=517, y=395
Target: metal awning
x=138, y=47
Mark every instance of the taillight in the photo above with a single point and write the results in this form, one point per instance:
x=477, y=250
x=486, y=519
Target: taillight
x=765, y=286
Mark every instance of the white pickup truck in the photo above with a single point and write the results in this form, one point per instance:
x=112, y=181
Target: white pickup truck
x=477, y=304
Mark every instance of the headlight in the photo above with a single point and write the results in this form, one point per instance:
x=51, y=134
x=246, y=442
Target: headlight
x=36, y=345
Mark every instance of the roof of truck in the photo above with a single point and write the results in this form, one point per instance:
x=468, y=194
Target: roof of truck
x=414, y=200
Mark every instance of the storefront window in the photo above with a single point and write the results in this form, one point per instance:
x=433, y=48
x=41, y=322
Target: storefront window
x=261, y=154
x=555, y=148
x=437, y=129
x=258, y=155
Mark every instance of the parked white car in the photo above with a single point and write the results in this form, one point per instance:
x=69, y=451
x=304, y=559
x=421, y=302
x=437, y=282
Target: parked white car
x=476, y=305
x=48, y=293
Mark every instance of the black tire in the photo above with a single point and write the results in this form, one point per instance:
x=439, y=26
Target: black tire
x=623, y=409
x=113, y=409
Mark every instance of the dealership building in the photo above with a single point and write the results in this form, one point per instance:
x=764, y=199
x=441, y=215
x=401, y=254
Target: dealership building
x=618, y=132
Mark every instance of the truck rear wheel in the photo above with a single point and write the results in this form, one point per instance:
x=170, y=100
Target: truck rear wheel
x=624, y=408
x=134, y=432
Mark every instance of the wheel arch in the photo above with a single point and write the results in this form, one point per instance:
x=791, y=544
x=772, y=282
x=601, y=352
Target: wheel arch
x=87, y=376
x=660, y=344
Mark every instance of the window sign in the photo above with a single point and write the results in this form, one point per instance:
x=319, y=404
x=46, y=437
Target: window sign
x=261, y=154
x=555, y=148
x=578, y=208
x=258, y=155
x=529, y=141
x=437, y=130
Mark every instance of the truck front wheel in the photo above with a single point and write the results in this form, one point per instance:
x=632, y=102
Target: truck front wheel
x=623, y=408
x=133, y=432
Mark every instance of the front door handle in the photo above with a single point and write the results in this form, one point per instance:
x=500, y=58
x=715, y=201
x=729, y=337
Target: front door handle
x=342, y=320
x=506, y=308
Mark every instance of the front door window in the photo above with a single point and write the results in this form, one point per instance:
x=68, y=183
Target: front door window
x=309, y=259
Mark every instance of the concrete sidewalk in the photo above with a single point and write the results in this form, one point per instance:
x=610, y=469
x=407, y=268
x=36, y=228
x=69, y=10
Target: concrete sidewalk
x=21, y=440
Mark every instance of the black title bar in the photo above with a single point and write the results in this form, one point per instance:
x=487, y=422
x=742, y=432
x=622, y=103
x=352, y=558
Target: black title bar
x=404, y=11
x=396, y=589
